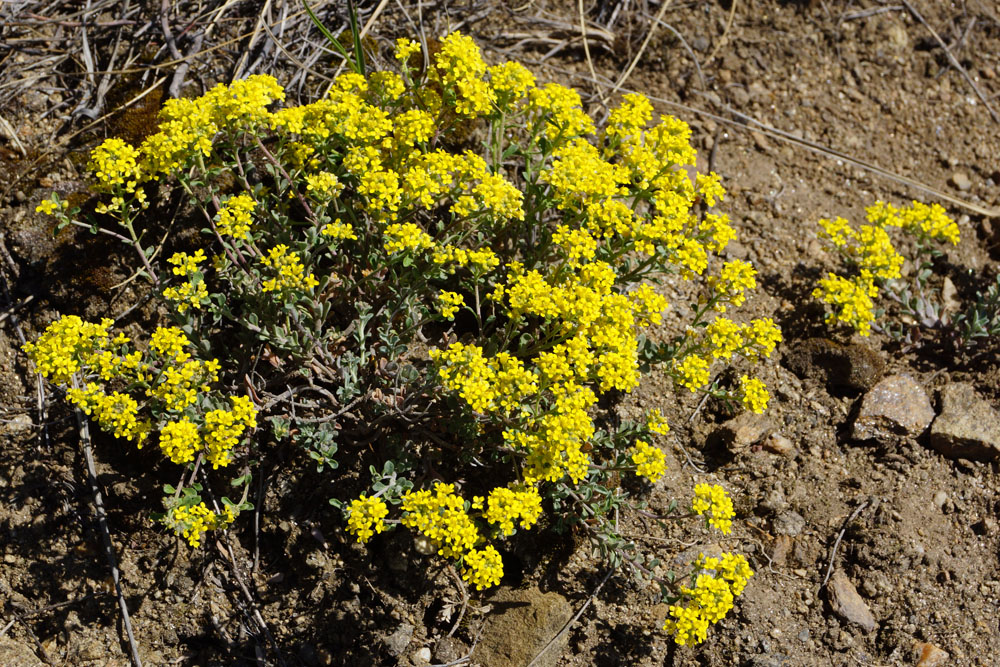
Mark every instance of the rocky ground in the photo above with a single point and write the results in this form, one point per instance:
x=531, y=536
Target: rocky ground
x=867, y=495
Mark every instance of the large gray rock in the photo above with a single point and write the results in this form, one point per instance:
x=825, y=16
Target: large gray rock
x=968, y=426
x=896, y=406
x=847, y=604
x=521, y=624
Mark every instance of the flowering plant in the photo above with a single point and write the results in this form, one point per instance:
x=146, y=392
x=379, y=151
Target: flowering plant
x=876, y=264
x=451, y=263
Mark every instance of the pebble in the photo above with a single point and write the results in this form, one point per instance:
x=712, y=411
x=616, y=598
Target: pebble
x=397, y=642
x=789, y=523
x=960, y=181
x=929, y=655
x=852, y=367
x=847, y=604
x=897, y=405
x=940, y=498
x=422, y=656
x=745, y=430
x=967, y=426
x=780, y=445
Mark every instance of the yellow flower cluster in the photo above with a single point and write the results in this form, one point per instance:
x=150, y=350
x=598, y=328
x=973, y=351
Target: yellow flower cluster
x=483, y=567
x=487, y=385
x=717, y=582
x=170, y=343
x=754, y=394
x=187, y=295
x=193, y=521
x=180, y=440
x=440, y=516
x=291, y=272
x=50, y=206
x=691, y=372
x=116, y=413
x=366, y=517
x=449, y=303
x=518, y=503
x=185, y=264
x=657, y=423
x=339, y=230
x=406, y=236
x=649, y=461
x=869, y=249
x=65, y=345
x=324, y=185
x=223, y=430
x=235, y=218
x=713, y=500
x=179, y=382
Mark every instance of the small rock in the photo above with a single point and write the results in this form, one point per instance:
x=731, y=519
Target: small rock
x=987, y=527
x=940, y=498
x=929, y=655
x=742, y=431
x=949, y=296
x=780, y=445
x=422, y=656
x=522, y=623
x=789, y=523
x=803, y=636
x=967, y=426
x=449, y=649
x=960, y=181
x=700, y=43
x=895, y=406
x=16, y=425
x=853, y=367
x=847, y=604
x=779, y=552
x=760, y=141
x=397, y=642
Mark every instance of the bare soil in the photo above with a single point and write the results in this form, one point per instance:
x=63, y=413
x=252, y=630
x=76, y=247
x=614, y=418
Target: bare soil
x=917, y=532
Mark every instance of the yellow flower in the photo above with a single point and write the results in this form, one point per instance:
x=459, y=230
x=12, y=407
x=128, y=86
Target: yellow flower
x=754, y=394
x=691, y=372
x=713, y=500
x=649, y=461
x=291, y=272
x=365, y=517
x=449, y=303
x=235, y=217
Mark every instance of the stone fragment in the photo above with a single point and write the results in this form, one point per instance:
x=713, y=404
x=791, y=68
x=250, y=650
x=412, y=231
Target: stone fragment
x=744, y=430
x=847, y=604
x=421, y=656
x=852, y=367
x=929, y=655
x=967, y=426
x=16, y=425
x=789, y=523
x=449, y=649
x=522, y=623
x=397, y=642
x=895, y=406
x=780, y=445
x=780, y=550
x=961, y=181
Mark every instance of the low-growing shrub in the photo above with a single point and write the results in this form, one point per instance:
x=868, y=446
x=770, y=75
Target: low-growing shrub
x=434, y=274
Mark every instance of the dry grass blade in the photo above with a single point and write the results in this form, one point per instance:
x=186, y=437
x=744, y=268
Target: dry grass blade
x=642, y=49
